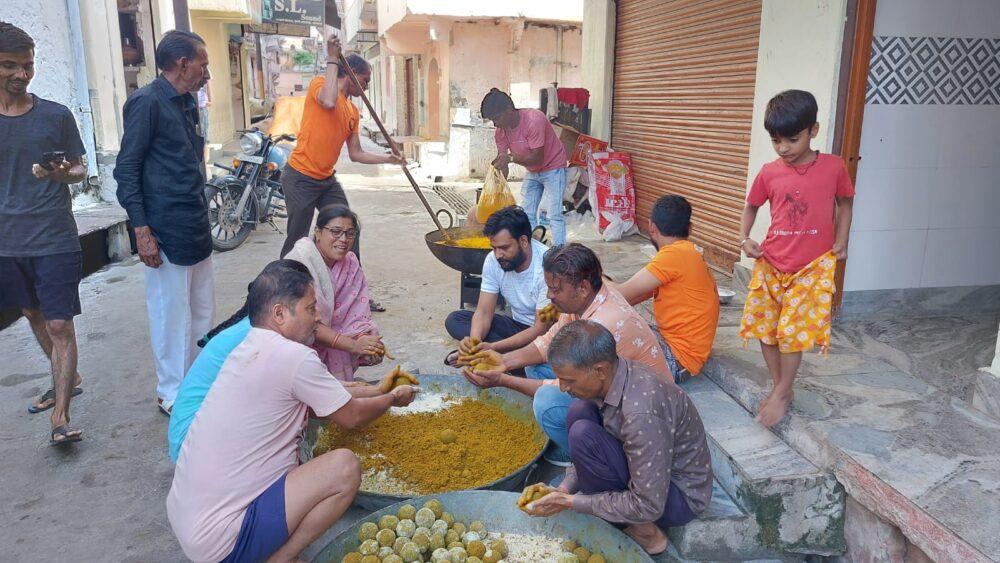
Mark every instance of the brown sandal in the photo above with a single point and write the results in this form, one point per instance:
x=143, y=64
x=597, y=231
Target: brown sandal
x=50, y=395
x=68, y=434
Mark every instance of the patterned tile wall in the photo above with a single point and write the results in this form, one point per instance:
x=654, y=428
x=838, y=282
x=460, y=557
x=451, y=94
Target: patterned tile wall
x=934, y=70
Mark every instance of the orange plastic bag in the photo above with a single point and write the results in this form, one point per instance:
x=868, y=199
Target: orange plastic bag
x=287, y=116
x=496, y=195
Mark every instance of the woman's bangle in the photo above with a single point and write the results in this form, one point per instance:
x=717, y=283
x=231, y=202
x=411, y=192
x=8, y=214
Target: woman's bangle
x=744, y=241
x=335, y=63
x=335, y=340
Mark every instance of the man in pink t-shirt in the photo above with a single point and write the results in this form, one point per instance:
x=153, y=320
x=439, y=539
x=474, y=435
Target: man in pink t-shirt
x=525, y=137
x=238, y=492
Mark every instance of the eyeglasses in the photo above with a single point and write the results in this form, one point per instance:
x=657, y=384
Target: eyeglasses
x=349, y=234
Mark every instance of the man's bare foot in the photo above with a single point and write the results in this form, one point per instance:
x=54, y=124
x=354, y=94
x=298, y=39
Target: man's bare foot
x=763, y=403
x=774, y=408
x=649, y=536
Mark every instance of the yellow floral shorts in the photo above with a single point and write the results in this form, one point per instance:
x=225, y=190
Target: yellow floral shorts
x=791, y=311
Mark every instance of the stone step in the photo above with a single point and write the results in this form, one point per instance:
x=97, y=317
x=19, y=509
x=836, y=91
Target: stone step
x=724, y=532
x=921, y=460
x=794, y=507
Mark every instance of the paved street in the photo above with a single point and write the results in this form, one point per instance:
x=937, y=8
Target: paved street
x=103, y=499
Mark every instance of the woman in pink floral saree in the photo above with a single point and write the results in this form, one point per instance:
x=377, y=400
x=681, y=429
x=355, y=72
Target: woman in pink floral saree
x=346, y=337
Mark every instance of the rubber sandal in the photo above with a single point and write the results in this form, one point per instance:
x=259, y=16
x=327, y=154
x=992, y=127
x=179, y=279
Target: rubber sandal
x=448, y=355
x=50, y=395
x=375, y=306
x=166, y=407
x=67, y=438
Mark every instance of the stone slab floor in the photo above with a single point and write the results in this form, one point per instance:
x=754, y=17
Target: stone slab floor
x=944, y=351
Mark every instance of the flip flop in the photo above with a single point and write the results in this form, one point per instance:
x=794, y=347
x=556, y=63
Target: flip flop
x=67, y=438
x=50, y=395
x=375, y=306
x=166, y=407
x=448, y=355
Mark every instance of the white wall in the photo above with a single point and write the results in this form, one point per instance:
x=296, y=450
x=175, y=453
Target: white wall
x=995, y=367
x=104, y=70
x=391, y=12
x=928, y=188
x=544, y=55
x=47, y=22
x=598, y=63
x=800, y=48
x=60, y=70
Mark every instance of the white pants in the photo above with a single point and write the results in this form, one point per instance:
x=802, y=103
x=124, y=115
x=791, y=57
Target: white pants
x=180, y=301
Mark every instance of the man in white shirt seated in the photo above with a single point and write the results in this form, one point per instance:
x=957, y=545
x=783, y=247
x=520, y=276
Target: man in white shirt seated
x=513, y=270
x=238, y=492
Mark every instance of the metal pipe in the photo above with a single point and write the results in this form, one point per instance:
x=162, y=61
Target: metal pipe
x=350, y=72
x=82, y=87
x=182, y=19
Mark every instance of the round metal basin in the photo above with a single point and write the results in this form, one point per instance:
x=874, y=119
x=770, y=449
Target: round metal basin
x=514, y=404
x=498, y=510
x=467, y=260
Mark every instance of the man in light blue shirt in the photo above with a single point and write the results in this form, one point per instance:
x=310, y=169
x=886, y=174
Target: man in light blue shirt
x=206, y=366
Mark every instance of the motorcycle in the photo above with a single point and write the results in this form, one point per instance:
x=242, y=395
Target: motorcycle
x=250, y=193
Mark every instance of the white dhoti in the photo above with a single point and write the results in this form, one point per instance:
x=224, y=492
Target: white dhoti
x=180, y=301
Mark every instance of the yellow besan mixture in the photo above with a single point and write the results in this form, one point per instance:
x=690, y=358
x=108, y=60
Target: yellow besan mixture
x=418, y=448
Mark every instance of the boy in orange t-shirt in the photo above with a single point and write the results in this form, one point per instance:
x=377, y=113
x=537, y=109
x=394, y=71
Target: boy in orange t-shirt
x=788, y=306
x=685, y=299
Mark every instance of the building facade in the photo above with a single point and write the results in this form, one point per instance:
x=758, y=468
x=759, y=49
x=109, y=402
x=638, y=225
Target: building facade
x=688, y=103
x=433, y=61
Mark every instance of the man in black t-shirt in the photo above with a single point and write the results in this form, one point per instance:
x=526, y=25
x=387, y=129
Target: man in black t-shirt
x=40, y=256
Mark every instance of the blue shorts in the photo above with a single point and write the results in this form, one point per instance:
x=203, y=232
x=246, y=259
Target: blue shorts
x=264, y=528
x=49, y=283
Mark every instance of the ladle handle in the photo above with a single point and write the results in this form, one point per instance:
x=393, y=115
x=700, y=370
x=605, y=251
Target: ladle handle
x=350, y=72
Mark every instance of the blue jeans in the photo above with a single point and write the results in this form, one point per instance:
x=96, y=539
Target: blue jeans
x=540, y=371
x=551, y=184
x=680, y=373
x=551, y=407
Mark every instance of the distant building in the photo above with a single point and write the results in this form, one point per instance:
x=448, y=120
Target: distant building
x=434, y=60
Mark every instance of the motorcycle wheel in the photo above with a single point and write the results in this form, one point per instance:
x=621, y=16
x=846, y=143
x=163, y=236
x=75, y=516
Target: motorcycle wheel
x=228, y=233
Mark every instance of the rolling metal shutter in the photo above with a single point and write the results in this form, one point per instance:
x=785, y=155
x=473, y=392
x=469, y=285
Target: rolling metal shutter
x=683, y=101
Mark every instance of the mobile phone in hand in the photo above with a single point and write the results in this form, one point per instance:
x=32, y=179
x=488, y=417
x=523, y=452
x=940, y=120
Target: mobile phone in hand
x=51, y=159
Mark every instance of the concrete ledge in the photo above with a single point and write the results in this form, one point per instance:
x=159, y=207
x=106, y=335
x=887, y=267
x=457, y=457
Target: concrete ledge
x=925, y=462
x=722, y=533
x=104, y=238
x=104, y=235
x=797, y=507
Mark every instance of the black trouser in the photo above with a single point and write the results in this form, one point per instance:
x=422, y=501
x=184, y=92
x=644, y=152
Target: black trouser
x=459, y=325
x=303, y=196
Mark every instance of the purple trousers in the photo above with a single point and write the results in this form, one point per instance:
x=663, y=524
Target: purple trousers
x=601, y=465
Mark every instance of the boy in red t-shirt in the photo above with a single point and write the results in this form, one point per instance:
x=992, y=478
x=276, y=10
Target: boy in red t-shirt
x=791, y=288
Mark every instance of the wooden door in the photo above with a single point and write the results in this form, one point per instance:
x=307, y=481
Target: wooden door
x=857, y=51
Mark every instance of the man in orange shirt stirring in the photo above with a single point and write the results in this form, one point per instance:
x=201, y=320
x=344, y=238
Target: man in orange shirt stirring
x=685, y=299
x=329, y=120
